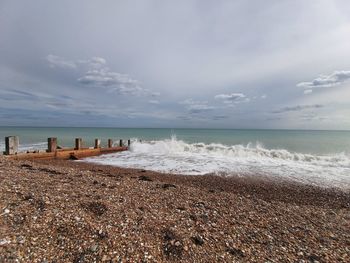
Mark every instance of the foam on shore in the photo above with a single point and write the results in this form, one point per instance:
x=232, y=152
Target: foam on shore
x=178, y=157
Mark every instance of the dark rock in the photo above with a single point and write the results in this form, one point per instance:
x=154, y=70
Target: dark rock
x=198, y=240
x=73, y=157
x=27, y=166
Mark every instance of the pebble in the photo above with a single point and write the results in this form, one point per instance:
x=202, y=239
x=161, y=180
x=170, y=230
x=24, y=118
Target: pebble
x=4, y=242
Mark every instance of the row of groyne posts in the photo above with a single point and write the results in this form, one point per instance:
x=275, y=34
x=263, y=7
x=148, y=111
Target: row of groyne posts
x=57, y=152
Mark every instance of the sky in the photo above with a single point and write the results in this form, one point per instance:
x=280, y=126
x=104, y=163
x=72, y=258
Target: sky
x=175, y=64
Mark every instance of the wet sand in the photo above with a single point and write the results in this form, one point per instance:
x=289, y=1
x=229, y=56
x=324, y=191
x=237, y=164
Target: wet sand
x=65, y=211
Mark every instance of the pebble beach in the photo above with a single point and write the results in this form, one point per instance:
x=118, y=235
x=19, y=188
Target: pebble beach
x=67, y=211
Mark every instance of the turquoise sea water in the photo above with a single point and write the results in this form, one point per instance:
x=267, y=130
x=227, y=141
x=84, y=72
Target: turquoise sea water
x=313, y=157
x=312, y=142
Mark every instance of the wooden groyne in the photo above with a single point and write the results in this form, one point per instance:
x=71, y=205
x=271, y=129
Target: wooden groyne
x=56, y=152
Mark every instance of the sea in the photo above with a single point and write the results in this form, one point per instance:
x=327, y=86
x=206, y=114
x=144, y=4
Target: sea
x=308, y=156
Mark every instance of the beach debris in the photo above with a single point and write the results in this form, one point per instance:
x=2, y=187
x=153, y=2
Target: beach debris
x=145, y=178
x=167, y=186
x=27, y=166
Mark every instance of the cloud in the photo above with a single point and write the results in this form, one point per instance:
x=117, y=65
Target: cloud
x=195, y=107
x=307, y=91
x=59, y=62
x=199, y=108
x=99, y=75
x=327, y=81
x=97, y=61
x=232, y=98
x=298, y=108
x=121, y=83
x=220, y=117
x=190, y=101
x=263, y=97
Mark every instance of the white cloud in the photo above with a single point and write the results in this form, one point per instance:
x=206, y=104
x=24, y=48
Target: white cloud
x=232, y=98
x=97, y=62
x=99, y=75
x=194, y=106
x=263, y=97
x=56, y=61
x=327, y=81
x=121, y=83
x=190, y=101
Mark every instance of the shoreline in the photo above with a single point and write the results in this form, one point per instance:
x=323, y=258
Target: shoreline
x=80, y=212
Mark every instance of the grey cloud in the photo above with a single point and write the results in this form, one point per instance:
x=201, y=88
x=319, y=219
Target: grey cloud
x=194, y=52
x=198, y=108
x=327, y=81
x=298, y=108
x=220, y=117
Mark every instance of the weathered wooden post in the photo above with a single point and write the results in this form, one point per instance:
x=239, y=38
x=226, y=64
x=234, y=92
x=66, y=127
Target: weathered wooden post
x=11, y=145
x=129, y=143
x=121, y=143
x=78, y=143
x=97, y=143
x=110, y=143
x=51, y=144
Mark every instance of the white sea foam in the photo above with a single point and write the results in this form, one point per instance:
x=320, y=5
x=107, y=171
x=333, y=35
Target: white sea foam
x=178, y=157
x=26, y=146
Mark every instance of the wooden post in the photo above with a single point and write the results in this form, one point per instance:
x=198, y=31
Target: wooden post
x=97, y=143
x=78, y=143
x=121, y=143
x=51, y=144
x=11, y=145
x=129, y=143
x=110, y=143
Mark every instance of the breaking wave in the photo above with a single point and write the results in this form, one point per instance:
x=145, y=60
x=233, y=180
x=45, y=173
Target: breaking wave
x=178, y=157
